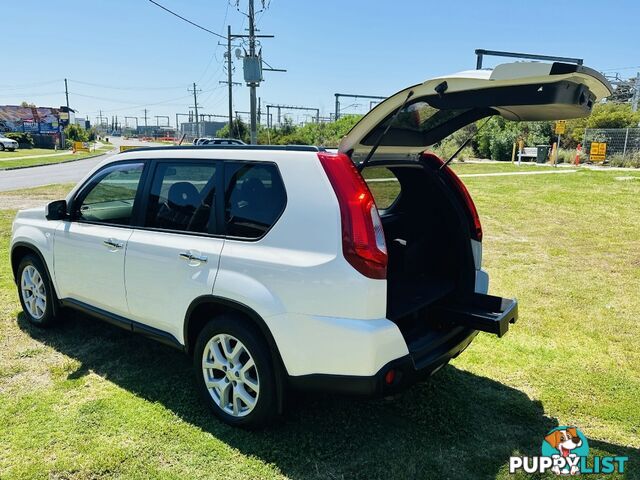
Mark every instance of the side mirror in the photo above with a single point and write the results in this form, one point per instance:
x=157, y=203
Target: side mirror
x=57, y=210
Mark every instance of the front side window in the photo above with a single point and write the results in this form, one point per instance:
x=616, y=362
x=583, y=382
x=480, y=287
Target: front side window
x=254, y=198
x=111, y=195
x=182, y=197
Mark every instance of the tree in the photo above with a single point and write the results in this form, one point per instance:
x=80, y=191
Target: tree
x=74, y=133
x=603, y=115
x=28, y=105
x=239, y=131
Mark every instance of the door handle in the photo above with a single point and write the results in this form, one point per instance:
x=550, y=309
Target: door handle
x=111, y=243
x=190, y=257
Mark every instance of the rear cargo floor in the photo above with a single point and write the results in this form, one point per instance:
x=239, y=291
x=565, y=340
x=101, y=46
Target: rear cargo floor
x=407, y=295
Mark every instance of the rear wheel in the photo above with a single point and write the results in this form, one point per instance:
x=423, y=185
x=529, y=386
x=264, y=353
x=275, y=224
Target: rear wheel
x=234, y=372
x=37, y=297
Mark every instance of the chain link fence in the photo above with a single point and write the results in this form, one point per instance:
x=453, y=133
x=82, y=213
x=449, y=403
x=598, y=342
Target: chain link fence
x=622, y=144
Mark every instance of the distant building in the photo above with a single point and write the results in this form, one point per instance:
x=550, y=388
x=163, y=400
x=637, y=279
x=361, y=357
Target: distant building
x=155, y=131
x=36, y=120
x=82, y=123
x=45, y=124
x=207, y=129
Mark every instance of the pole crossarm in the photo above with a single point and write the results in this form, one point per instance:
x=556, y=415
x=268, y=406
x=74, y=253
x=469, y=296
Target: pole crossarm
x=351, y=95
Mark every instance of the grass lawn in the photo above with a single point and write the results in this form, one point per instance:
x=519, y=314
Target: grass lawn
x=87, y=400
x=26, y=152
x=30, y=162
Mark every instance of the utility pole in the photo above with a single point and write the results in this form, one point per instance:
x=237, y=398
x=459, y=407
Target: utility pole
x=66, y=94
x=146, y=131
x=636, y=94
x=195, y=92
x=253, y=68
x=252, y=85
x=229, y=79
x=102, y=118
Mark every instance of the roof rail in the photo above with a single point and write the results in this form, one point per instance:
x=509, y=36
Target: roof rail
x=295, y=148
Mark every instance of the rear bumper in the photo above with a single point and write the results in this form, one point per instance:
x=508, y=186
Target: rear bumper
x=408, y=370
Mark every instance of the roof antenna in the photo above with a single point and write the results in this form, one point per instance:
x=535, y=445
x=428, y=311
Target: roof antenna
x=379, y=141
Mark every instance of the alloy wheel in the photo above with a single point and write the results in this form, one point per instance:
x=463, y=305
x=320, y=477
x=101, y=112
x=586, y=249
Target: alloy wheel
x=230, y=375
x=33, y=291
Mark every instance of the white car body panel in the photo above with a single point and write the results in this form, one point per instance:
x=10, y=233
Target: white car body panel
x=155, y=272
x=89, y=271
x=32, y=228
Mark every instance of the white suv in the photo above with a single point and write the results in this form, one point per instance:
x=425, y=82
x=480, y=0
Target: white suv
x=273, y=267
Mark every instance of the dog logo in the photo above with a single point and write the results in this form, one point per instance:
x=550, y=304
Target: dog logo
x=566, y=446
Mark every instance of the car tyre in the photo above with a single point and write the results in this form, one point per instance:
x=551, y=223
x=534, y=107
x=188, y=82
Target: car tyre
x=37, y=296
x=235, y=373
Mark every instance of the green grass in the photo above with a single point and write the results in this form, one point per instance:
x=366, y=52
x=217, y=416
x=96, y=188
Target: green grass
x=25, y=152
x=32, y=162
x=86, y=400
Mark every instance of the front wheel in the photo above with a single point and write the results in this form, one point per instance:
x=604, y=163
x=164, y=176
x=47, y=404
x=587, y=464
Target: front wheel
x=37, y=297
x=234, y=372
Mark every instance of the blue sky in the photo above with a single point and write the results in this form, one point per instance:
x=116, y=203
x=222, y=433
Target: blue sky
x=123, y=55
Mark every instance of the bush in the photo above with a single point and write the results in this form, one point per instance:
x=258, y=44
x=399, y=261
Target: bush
x=449, y=146
x=24, y=139
x=566, y=155
x=631, y=159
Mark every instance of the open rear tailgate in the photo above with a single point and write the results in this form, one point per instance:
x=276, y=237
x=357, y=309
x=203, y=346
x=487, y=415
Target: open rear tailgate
x=480, y=312
x=434, y=109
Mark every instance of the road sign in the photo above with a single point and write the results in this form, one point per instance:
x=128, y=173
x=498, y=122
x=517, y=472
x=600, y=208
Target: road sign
x=598, y=151
x=561, y=127
x=81, y=147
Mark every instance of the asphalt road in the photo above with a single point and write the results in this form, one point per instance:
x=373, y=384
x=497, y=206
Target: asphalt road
x=69, y=172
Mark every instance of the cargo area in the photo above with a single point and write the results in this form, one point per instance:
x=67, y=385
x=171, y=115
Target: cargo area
x=431, y=270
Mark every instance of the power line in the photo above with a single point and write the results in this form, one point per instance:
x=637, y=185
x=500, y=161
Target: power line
x=187, y=20
x=110, y=87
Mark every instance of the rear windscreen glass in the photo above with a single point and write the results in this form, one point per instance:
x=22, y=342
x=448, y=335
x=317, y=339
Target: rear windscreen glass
x=420, y=124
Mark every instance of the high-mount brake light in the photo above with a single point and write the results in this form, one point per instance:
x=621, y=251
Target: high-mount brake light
x=363, y=243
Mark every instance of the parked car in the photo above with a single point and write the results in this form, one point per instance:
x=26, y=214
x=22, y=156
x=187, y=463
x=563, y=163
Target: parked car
x=7, y=144
x=273, y=267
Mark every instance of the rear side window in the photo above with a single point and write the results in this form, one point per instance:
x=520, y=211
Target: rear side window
x=254, y=198
x=182, y=197
x=383, y=184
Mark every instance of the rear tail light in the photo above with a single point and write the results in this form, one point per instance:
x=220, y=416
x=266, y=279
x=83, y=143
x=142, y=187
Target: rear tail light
x=363, y=243
x=475, y=227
